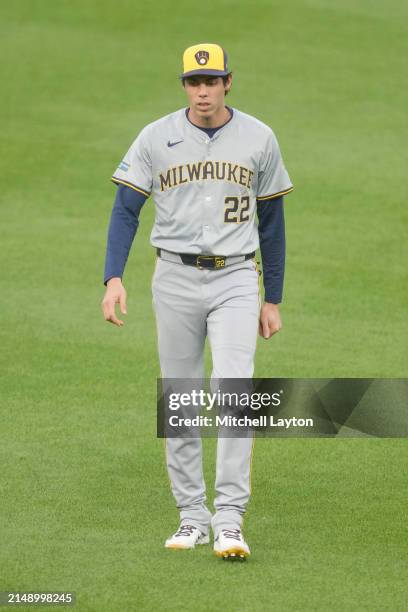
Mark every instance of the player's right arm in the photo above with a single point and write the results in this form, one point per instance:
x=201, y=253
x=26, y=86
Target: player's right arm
x=122, y=229
x=133, y=177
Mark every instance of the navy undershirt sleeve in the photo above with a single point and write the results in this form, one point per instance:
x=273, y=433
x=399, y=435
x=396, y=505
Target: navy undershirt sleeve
x=122, y=229
x=271, y=230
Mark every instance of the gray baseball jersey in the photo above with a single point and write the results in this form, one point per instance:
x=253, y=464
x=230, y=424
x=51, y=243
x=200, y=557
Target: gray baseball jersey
x=205, y=190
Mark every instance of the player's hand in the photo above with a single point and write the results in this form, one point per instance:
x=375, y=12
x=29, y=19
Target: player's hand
x=115, y=294
x=270, y=321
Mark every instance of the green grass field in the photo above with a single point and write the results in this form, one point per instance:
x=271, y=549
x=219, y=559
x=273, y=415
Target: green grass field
x=85, y=503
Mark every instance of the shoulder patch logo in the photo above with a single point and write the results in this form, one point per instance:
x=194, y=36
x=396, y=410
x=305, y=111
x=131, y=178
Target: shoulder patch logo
x=124, y=166
x=202, y=57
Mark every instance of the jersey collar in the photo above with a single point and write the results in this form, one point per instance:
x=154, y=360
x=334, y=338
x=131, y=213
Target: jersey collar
x=203, y=136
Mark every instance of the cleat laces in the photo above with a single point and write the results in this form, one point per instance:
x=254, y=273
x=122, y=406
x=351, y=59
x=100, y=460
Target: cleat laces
x=185, y=530
x=234, y=534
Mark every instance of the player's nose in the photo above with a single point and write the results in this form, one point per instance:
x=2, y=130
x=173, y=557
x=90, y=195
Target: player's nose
x=202, y=90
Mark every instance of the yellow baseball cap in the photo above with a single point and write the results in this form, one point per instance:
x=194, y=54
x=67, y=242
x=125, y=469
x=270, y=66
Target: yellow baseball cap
x=206, y=58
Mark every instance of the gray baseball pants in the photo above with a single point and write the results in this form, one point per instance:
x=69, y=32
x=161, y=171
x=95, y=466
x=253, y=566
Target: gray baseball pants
x=192, y=304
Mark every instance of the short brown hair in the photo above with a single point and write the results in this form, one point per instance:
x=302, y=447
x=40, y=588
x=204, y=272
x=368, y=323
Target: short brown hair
x=224, y=80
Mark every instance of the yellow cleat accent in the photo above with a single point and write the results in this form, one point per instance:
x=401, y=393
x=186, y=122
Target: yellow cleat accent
x=233, y=553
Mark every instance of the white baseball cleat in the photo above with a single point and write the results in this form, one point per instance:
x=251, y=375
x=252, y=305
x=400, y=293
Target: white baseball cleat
x=231, y=546
x=187, y=536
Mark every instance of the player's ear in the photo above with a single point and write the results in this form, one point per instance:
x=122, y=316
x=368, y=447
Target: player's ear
x=228, y=83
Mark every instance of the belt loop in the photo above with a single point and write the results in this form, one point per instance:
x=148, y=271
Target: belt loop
x=158, y=251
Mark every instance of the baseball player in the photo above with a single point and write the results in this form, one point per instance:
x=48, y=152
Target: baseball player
x=213, y=172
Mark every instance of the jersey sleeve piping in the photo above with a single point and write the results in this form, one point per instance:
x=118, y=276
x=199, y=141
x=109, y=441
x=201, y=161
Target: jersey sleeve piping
x=275, y=195
x=135, y=187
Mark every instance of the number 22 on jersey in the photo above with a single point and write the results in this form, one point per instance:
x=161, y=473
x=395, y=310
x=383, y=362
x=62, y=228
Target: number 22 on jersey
x=236, y=209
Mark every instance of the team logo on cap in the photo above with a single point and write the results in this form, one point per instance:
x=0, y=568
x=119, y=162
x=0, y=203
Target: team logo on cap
x=202, y=57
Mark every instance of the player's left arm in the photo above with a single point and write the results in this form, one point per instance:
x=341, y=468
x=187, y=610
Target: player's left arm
x=272, y=244
x=273, y=184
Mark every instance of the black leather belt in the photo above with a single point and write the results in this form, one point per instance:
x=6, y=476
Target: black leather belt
x=204, y=262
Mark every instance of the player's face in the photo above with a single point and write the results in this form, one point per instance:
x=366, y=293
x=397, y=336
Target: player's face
x=206, y=95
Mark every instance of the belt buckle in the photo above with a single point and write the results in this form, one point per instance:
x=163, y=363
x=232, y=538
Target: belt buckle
x=202, y=257
x=219, y=262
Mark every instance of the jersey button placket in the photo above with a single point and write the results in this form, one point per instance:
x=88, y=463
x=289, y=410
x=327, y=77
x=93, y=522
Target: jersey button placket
x=206, y=227
x=207, y=199
x=207, y=217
